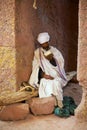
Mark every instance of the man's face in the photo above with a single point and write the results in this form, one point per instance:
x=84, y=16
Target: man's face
x=45, y=46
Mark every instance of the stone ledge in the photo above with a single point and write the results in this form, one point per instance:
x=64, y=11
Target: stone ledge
x=14, y=112
x=42, y=106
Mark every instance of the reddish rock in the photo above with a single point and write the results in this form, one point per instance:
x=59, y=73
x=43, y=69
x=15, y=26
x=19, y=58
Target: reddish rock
x=41, y=106
x=14, y=112
x=81, y=111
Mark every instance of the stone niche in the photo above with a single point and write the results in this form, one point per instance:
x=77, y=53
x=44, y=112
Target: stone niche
x=59, y=18
x=19, y=28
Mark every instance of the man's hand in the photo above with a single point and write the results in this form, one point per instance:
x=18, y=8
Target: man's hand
x=48, y=77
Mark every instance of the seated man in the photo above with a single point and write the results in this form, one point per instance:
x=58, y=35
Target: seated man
x=48, y=70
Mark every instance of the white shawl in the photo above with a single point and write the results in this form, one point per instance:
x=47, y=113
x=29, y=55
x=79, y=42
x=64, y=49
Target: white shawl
x=40, y=61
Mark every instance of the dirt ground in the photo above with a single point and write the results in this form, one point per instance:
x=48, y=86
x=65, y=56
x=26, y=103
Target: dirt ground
x=50, y=122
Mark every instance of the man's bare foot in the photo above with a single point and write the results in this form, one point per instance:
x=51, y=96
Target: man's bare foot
x=60, y=104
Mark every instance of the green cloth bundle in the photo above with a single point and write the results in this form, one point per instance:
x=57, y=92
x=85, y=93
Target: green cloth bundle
x=68, y=107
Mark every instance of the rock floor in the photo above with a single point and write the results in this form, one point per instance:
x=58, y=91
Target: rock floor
x=48, y=122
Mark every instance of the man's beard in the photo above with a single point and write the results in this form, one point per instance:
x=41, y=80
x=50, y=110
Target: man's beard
x=46, y=48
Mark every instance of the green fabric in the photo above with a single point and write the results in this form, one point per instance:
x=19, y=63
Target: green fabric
x=62, y=112
x=68, y=107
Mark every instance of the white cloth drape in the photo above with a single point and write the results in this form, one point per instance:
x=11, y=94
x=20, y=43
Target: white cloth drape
x=48, y=87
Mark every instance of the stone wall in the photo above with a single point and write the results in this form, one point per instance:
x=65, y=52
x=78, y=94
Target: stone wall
x=24, y=40
x=82, y=46
x=7, y=45
x=81, y=111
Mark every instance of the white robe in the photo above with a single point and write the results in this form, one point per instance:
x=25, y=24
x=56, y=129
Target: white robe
x=48, y=87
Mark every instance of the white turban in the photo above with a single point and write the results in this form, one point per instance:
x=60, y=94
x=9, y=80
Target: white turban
x=43, y=37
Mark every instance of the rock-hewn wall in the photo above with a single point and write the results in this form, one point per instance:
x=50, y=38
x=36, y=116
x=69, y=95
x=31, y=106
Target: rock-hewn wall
x=82, y=46
x=7, y=45
x=24, y=40
x=81, y=112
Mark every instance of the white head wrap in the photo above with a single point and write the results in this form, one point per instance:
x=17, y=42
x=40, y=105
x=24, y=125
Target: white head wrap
x=43, y=37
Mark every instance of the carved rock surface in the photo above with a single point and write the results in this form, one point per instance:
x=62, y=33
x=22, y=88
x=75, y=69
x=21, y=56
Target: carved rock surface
x=14, y=112
x=41, y=106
